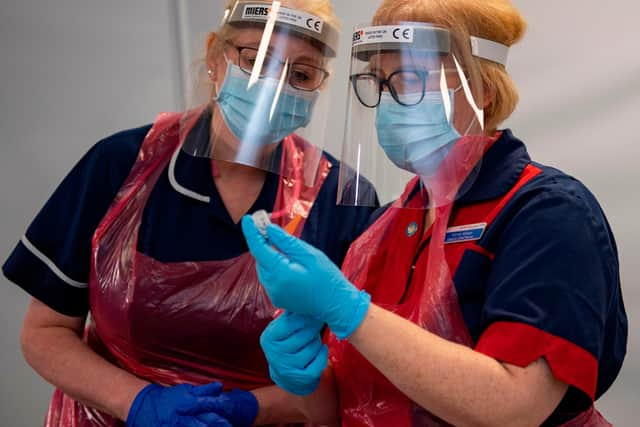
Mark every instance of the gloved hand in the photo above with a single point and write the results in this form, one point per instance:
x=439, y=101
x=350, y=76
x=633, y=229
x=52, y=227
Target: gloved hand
x=301, y=279
x=238, y=407
x=295, y=352
x=179, y=406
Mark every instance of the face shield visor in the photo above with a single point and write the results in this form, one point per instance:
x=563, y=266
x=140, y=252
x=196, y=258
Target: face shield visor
x=415, y=120
x=272, y=92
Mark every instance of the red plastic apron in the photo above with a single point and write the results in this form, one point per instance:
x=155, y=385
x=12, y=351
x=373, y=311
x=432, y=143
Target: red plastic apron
x=367, y=398
x=191, y=322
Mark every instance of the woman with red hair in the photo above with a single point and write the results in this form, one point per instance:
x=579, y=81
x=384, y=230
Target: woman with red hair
x=487, y=293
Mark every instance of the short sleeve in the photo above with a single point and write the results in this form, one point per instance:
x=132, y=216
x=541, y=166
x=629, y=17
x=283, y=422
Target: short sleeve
x=553, y=286
x=52, y=260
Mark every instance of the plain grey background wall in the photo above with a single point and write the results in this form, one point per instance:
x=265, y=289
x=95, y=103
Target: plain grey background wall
x=74, y=71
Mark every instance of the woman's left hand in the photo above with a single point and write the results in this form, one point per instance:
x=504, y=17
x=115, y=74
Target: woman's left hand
x=238, y=407
x=301, y=279
x=293, y=347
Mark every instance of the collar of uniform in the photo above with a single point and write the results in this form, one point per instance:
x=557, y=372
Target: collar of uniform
x=192, y=176
x=501, y=167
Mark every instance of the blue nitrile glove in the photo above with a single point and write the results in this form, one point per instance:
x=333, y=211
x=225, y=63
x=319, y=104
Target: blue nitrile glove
x=179, y=406
x=301, y=279
x=238, y=407
x=295, y=352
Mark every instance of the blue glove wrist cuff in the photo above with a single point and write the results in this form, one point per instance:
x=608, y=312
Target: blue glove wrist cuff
x=299, y=391
x=249, y=404
x=137, y=402
x=353, y=318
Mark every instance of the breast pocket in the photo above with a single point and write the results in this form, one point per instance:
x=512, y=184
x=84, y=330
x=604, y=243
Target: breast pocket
x=470, y=280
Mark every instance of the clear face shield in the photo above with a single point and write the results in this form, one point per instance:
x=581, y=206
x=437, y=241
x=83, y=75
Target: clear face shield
x=415, y=125
x=271, y=92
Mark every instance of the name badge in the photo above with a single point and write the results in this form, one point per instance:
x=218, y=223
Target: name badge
x=465, y=233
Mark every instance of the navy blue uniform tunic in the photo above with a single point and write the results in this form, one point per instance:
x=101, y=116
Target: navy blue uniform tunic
x=184, y=220
x=548, y=285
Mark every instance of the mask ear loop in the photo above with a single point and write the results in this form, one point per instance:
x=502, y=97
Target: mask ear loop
x=479, y=112
x=216, y=95
x=464, y=84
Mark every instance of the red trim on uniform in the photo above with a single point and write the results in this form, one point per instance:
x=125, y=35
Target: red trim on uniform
x=477, y=248
x=528, y=174
x=520, y=344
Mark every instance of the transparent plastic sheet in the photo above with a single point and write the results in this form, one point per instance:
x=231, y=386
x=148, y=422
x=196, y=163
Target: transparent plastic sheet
x=415, y=93
x=590, y=418
x=278, y=62
x=367, y=397
x=192, y=322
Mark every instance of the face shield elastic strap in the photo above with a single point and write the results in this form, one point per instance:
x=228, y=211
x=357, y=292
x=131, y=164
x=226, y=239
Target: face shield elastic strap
x=489, y=50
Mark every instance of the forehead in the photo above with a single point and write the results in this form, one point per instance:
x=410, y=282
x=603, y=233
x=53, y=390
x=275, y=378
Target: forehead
x=393, y=60
x=281, y=43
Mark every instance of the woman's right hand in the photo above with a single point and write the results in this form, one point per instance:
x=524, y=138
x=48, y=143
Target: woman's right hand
x=295, y=352
x=52, y=344
x=178, y=406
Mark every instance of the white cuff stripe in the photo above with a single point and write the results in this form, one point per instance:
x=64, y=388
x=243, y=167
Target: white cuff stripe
x=42, y=257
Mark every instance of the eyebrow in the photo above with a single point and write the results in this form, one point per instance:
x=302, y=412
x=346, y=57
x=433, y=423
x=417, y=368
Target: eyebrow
x=375, y=70
x=308, y=60
x=303, y=60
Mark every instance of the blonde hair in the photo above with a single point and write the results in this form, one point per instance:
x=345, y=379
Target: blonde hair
x=496, y=20
x=321, y=8
x=204, y=87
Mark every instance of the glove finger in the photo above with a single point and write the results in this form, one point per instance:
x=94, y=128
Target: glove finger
x=205, y=420
x=300, y=360
x=296, y=382
x=307, y=322
x=311, y=322
x=213, y=389
x=319, y=364
x=301, y=381
x=258, y=245
x=289, y=334
x=212, y=419
x=303, y=339
x=188, y=422
x=203, y=404
x=294, y=248
x=285, y=325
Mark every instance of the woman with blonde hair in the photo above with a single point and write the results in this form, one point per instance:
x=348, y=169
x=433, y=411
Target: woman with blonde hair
x=488, y=292
x=144, y=235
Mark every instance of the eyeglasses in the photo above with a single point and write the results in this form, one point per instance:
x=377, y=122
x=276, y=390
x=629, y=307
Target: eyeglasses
x=304, y=77
x=407, y=87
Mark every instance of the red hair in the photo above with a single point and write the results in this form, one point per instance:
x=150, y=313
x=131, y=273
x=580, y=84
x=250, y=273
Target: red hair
x=496, y=20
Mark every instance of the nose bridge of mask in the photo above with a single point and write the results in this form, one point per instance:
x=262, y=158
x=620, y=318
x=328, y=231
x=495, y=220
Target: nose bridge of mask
x=430, y=111
x=272, y=108
x=442, y=109
x=414, y=138
x=275, y=96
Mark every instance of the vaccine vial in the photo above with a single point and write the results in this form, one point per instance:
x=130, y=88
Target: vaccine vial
x=261, y=219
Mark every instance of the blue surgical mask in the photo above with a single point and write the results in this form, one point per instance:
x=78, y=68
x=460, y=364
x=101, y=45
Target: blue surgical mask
x=416, y=138
x=249, y=112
